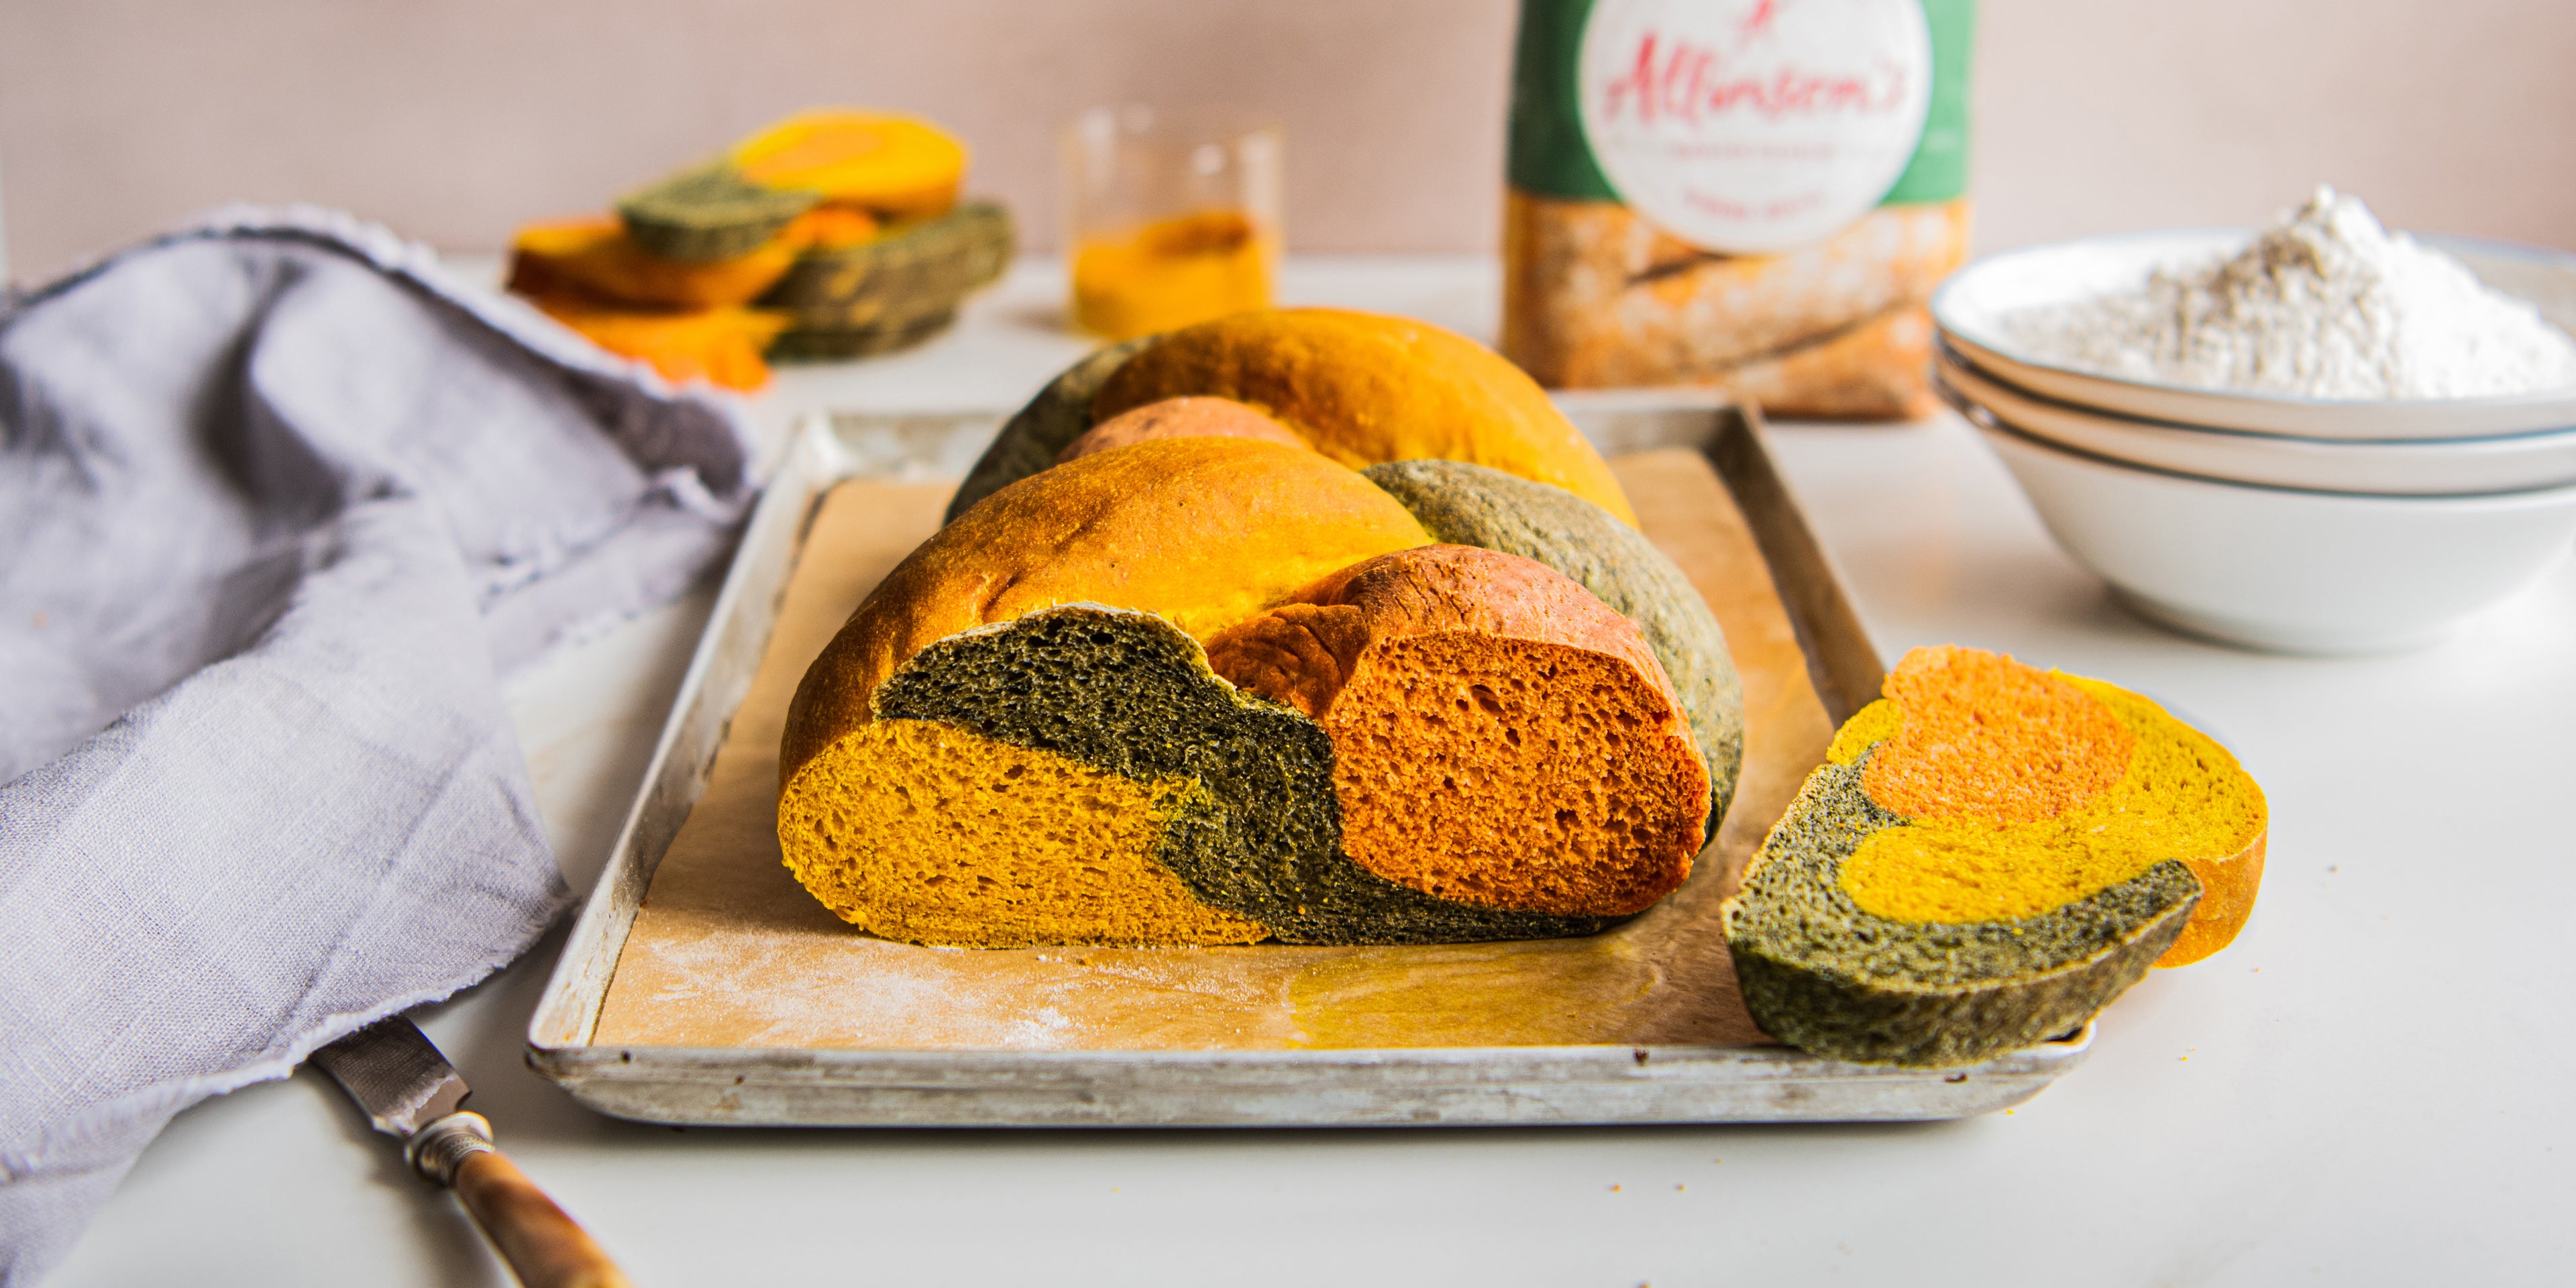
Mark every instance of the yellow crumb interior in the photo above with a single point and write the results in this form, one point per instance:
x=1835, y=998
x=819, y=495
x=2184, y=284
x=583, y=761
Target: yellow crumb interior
x=1876, y=723
x=925, y=832
x=2181, y=796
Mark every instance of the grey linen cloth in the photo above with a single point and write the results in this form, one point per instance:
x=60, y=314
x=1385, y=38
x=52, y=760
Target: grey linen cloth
x=279, y=501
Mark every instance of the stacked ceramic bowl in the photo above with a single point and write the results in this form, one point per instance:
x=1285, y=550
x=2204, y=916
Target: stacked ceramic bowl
x=2293, y=524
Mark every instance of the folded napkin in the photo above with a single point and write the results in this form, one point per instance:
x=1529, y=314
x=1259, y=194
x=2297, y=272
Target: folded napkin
x=278, y=502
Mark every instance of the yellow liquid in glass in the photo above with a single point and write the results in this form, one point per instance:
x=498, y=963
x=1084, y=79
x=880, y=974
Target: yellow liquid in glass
x=1172, y=273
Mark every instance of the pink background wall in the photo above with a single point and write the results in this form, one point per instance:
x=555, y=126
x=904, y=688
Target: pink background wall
x=455, y=119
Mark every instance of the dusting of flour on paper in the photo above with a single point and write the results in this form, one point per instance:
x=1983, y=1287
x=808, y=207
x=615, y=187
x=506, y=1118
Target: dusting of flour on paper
x=2324, y=304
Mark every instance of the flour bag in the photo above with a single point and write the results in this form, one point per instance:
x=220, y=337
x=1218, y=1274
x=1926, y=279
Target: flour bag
x=1757, y=195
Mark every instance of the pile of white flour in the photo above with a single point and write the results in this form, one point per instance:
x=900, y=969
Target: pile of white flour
x=2325, y=304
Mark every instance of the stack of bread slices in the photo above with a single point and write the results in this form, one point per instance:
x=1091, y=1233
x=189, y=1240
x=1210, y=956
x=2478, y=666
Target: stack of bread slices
x=833, y=233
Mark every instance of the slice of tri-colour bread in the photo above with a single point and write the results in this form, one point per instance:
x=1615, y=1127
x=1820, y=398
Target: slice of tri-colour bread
x=1990, y=855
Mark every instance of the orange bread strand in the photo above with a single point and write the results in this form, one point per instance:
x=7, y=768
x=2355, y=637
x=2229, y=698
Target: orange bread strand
x=2227, y=887
x=831, y=226
x=720, y=346
x=1180, y=418
x=1988, y=737
x=1500, y=736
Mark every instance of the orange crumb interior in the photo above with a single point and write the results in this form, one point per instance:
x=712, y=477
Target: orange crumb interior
x=1986, y=737
x=1514, y=773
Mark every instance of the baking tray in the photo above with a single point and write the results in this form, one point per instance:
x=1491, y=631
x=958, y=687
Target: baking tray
x=763, y=1083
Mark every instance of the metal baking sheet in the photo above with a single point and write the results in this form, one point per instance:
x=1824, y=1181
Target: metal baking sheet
x=982, y=1085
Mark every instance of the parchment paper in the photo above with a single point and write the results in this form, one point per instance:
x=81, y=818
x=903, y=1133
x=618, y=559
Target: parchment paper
x=728, y=951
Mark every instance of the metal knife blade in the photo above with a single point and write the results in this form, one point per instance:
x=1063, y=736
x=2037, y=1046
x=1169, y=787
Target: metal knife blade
x=411, y=1093
x=392, y=1071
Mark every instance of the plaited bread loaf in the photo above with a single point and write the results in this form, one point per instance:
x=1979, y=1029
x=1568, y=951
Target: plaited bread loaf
x=1018, y=740
x=1991, y=854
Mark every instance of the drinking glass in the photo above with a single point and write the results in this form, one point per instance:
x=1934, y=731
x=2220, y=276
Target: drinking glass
x=1171, y=216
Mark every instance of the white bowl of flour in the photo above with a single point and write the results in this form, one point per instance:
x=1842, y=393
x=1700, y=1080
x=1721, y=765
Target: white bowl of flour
x=2284, y=570
x=2323, y=326
x=2375, y=466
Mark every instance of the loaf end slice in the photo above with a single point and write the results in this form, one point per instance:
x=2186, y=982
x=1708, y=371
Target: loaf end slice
x=1991, y=854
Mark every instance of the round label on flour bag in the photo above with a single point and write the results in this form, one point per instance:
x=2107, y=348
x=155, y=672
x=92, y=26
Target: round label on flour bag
x=1754, y=126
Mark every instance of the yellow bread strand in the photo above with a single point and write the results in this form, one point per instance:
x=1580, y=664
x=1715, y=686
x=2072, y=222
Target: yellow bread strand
x=1366, y=389
x=2182, y=796
x=1876, y=723
x=930, y=834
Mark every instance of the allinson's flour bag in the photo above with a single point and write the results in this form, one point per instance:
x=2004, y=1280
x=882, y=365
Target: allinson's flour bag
x=1755, y=194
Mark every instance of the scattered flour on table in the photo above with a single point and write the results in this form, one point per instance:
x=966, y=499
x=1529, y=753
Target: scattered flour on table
x=2324, y=304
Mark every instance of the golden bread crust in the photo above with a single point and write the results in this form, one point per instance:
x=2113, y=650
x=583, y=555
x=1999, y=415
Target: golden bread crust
x=1179, y=418
x=2227, y=888
x=1366, y=389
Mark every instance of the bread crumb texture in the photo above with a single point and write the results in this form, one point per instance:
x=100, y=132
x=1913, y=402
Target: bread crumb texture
x=2027, y=790
x=1472, y=505
x=1500, y=736
x=926, y=832
x=1367, y=388
x=1140, y=750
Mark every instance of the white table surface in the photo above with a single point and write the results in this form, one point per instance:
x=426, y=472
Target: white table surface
x=2372, y=1086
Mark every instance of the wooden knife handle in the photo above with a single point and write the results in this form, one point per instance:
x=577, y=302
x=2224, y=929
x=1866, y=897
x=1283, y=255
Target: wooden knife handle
x=544, y=1247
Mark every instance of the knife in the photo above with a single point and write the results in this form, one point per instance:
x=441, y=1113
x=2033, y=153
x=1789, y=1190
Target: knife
x=411, y=1093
